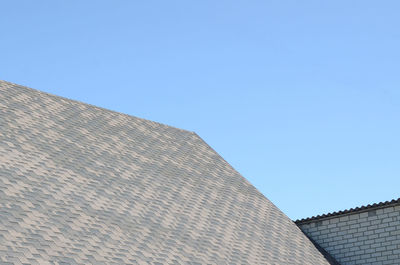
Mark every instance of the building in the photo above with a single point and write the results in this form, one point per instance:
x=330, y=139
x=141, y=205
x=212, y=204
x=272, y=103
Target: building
x=364, y=235
x=81, y=184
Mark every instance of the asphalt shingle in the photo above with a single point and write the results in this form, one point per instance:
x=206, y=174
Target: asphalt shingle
x=81, y=184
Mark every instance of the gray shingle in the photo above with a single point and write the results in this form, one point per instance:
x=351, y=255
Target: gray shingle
x=80, y=184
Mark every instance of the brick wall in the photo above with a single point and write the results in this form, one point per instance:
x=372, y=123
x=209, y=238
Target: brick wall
x=370, y=236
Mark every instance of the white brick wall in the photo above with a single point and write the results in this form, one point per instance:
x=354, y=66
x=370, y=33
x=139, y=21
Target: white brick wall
x=365, y=238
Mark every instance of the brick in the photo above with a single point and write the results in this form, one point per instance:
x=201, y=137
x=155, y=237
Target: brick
x=387, y=220
x=363, y=215
x=388, y=210
x=365, y=240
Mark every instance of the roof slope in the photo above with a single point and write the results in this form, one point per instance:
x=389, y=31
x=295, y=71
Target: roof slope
x=80, y=184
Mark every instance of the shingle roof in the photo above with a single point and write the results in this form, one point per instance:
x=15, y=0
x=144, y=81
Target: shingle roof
x=350, y=211
x=80, y=184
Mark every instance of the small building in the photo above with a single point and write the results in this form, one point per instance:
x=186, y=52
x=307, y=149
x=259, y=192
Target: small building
x=363, y=235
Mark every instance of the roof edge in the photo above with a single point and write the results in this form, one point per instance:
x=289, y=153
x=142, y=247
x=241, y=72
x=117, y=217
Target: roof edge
x=324, y=253
x=349, y=211
x=95, y=106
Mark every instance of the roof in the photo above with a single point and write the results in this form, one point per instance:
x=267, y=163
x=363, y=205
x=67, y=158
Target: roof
x=360, y=209
x=81, y=184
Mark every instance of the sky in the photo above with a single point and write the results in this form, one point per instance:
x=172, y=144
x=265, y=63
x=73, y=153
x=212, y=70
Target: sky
x=301, y=97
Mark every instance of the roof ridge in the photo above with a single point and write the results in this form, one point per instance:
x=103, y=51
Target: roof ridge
x=97, y=107
x=349, y=211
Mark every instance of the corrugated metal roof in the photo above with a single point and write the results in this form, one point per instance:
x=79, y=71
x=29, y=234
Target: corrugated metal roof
x=350, y=211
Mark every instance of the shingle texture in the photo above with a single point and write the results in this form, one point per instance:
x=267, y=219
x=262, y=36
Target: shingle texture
x=84, y=185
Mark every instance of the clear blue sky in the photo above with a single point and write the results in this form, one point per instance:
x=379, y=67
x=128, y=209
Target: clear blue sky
x=301, y=97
